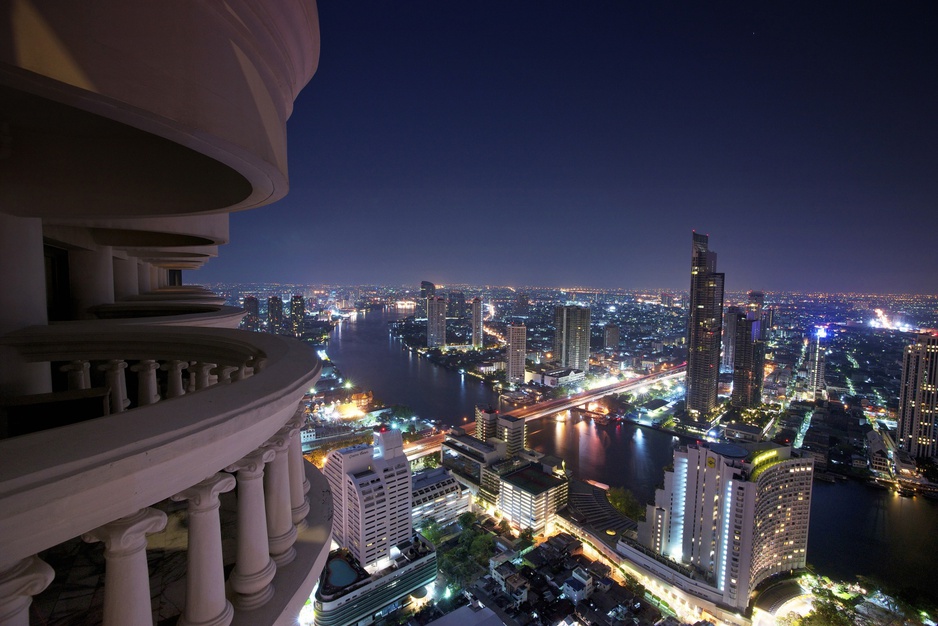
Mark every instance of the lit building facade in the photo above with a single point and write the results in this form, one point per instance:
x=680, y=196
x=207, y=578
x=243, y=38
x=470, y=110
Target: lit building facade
x=572, y=336
x=514, y=432
x=611, y=337
x=486, y=422
x=436, y=322
x=704, y=327
x=251, y=313
x=438, y=496
x=731, y=516
x=371, y=492
x=749, y=363
x=729, y=335
x=817, y=359
x=529, y=497
x=918, y=398
x=275, y=314
x=130, y=132
x=298, y=315
x=477, y=319
x=515, y=352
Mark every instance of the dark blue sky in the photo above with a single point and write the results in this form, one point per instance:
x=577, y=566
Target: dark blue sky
x=560, y=143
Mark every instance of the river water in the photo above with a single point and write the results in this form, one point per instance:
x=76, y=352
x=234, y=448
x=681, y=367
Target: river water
x=854, y=529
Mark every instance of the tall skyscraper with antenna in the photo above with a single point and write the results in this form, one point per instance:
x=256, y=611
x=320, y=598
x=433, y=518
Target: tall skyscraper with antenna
x=704, y=326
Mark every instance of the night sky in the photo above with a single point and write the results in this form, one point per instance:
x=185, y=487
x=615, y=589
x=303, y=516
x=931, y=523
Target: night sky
x=579, y=143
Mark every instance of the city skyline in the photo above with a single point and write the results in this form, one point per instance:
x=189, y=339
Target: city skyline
x=801, y=136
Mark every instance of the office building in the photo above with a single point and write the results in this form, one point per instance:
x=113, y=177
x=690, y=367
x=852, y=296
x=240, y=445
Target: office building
x=297, y=315
x=466, y=456
x=437, y=496
x=749, y=363
x=817, y=358
x=486, y=423
x=514, y=432
x=436, y=322
x=252, y=316
x=572, y=337
x=755, y=304
x=729, y=516
x=918, y=398
x=611, y=337
x=274, y=315
x=704, y=326
x=529, y=497
x=477, y=321
x=130, y=132
x=371, y=494
x=427, y=290
x=515, y=353
x=729, y=336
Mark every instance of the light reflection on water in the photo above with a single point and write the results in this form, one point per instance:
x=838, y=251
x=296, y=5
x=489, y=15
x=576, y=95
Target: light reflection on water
x=854, y=529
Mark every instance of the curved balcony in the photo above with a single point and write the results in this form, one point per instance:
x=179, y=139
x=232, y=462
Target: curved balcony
x=150, y=108
x=113, y=478
x=172, y=313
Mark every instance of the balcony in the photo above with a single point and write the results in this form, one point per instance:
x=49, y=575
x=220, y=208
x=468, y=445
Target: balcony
x=210, y=412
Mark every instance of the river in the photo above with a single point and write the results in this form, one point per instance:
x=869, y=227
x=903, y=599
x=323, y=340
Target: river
x=854, y=529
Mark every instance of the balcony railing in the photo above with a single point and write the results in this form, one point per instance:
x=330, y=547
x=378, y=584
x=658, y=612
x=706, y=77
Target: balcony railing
x=233, y=419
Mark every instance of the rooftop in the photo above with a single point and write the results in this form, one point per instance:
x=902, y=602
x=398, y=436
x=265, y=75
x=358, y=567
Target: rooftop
x=532, y=480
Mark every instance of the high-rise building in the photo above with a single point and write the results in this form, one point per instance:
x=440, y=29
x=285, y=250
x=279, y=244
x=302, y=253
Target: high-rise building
x=514, y=432
x=755, y=304
x=918, y=398
x=729, y=335
x=515, y=352
x=456, y=304
x=486, y=423
x=817, y=357
x=251, y=313
x=427, y=290
x=736, y=514
x=522, y=305
x=436, y=322
x=610, y=337
x=572, y=336
x=274, y=315
x=748, y=364
x=704, y=325
x=372, y=497
x=298, y=315
x=145, y=125
x=478, y=339
x=667, y=299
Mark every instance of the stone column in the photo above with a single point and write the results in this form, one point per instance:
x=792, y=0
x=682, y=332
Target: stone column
x=125, y=278
x=147, y=391
x=201, y=374
x=205, y=577
x=19, y=582
x=299, y=486
x=225, y=373
x=22, y=304
x=91, y=279
x=114, y=376
x=143, y=276
x=281, y=533
x=126, y=575
x=79, y=374
x=173, y=369
x=254, y=569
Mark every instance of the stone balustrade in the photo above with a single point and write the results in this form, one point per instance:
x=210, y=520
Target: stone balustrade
x=107, y=480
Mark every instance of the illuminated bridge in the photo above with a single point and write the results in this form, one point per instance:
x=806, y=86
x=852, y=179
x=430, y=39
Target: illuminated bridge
x=431, y=445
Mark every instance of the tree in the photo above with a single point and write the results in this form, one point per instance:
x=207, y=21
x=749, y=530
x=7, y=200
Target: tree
x=504, y=527
x=482, y=548
x=432, y=531
x=467, y=519
x=625, y=502
x=527, y=534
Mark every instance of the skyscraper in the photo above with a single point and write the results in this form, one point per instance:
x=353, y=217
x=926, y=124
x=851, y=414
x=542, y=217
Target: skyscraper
x=729, y=335
x=748, y=364
x=456, y=306
x=298, y=315
x=436, y=322
x=478, y=339
x=918, y=398
x=736, y=514
x=610, y=337
x=427, y=290
x=572, y=336
x=274, y=315
x=817, y=354
x=251, y=315
x=371, y=494
x=755, y=305
x=486, y=422
x=516, y=350
x=704, y=325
